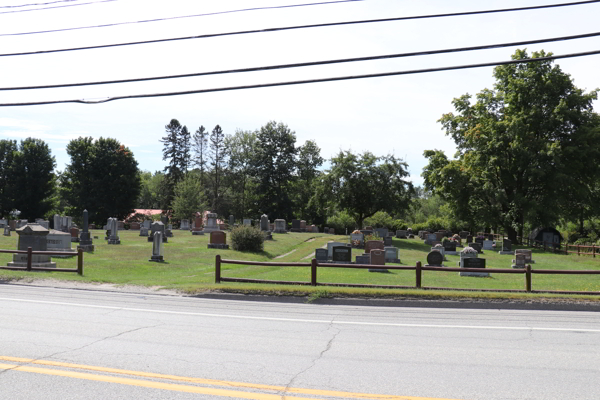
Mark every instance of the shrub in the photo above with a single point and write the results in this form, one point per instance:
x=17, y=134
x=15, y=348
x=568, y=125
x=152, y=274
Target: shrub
x=247, y=238
x=341, y=221
x=380, y=219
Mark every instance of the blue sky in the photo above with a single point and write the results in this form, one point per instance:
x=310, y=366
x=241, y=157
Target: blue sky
x=390, y=115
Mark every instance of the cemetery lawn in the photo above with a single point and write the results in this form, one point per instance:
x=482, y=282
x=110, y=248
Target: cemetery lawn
x=190, y=267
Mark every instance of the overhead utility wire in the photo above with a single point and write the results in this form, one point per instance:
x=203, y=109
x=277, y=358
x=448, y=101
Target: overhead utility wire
x=314, y=25
x=289, y=83
x=282, y=29
x=39, y=4
x=53, y=7
x=309, y=64
x=180, y=17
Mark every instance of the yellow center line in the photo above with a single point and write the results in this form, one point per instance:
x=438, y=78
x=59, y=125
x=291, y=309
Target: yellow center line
x=184, y=388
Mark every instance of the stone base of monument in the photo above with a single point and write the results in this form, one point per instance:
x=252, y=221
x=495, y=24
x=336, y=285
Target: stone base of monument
x=169, y=233
x=37, y=261
x=209, y=230
x=280, y=231
x=393, y=260
x=86, y=247
x=528, y=262
x=157, y=259
x=506, y=253
x=165, y=240
x=451, y=253
x=218, y=246
x=517, y=266
x=74, y=239
x=197, y=233
x=114, y=241
x=378, y=270
x=296, y=230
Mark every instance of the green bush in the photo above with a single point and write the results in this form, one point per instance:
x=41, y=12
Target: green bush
x=341, y=221
x=380, y=219
x=247, y=238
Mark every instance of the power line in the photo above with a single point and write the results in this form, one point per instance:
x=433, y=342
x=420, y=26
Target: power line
x=310, y=64
x=210, y=35
x=301, y=82
x=53, y=7
x=39, y=4
x=179, y=17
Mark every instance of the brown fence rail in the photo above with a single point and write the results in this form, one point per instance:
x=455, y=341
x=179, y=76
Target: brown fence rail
x=30, y=253
x=418, y=268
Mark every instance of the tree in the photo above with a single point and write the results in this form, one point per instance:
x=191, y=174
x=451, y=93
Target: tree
x=274, y=166
x=309, y=160
x=517, y=146
x=154, y=192
x=189, y=197
x=217, y=147
x=240, y=152
x=8, y=149
x=102, y=177
x=200, y=147
x=176, y=149
x=33, y=179
x=364, y=184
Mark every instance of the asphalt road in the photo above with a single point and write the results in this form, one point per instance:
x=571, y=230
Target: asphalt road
x=81, y=344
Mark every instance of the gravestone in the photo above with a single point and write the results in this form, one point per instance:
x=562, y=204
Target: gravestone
x=464, y=234
x=247, y=222
x=373, y=244
x=465, y=253
x=157, y=226
x=387, y=241
x=144, y=232
x=120, y=225
x=58, y=241
x=368, y=228
x=439, y=236
x=506, y=247
x=34, y=236
x=164, y=219
x=366, y=232
x=272, y=227
x=146, y=224
x=74, y=232
x=528, y=255
x=326, y=230
x=473, y=263
x=6, y=230
x=315, y=229
x=382, y=232
x=12, y=224
x=440, y=248
x=114, y=231
x=184, y=225
x=476, y=246
x=391, y=255
x=469, y=239
x=197, y=229
x=157, y=248
x=3, y=222
x=435, y=258
x=364, y=259
x=519, y=261
x=377, y=258
x=321, y=255
x=264, y=223
x=85, y=239
x=134, y=226
x=479, y=240
x=449, y=247
x=295, y=225
x=218, y=240
x=488, y=245
x=331, y=245
x=401, y=234
x=357, y=240
x=280, y=226
x=332, y=231
x=211, y=223
x=44, y=223
x=342, y=254
x=431, y=237
x=302, y=226
x=169, y=230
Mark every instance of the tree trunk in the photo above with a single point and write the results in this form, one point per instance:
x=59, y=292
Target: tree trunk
x=512, y=234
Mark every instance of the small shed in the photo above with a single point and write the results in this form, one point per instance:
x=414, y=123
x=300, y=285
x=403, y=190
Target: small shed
x=547, y=235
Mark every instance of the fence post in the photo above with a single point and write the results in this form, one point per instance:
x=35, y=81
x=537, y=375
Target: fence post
x=528, y=278
x=418, y=275
x=578, y=250
x=218, y=268
x=29, y=258
x=313, y=272
x=80, y=261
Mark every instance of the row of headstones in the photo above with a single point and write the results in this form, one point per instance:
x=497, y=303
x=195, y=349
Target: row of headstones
x=376, y=253
x=357, y=240
x=13, y=224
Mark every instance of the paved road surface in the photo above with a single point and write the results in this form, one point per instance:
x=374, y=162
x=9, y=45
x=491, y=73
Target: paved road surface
x=78, y=344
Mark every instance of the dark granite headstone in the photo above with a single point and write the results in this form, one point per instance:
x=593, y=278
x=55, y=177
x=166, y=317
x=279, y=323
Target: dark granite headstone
x=449, y=245
x=506, y=245
x=474, y=263
x=435, y=258
x=342, y=254
x=321, y=255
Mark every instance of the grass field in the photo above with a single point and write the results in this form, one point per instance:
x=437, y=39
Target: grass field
x=190, y=267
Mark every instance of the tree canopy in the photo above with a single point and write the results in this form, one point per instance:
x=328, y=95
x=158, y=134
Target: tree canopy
x=520, y=146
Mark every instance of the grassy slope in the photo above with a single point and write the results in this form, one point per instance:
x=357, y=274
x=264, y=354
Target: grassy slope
x=190, y=266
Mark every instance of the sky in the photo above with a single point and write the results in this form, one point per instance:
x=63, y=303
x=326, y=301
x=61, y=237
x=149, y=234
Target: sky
x=388, y=115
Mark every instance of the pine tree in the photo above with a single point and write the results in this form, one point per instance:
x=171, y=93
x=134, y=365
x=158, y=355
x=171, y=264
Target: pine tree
x=217, y=147
x=200, y=149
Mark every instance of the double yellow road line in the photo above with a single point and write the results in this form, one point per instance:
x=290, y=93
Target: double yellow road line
x=205, y=386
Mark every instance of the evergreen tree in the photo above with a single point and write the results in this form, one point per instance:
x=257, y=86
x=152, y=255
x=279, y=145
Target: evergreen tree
x=200, y=147
x=217, y=147
x=176, y=149
x=8, y=150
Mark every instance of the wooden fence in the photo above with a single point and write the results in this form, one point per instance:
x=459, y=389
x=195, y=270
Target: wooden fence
x=528, y=272
x=30, y=253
